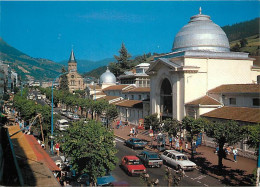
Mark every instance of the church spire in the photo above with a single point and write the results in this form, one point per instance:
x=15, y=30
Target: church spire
x=72, y=57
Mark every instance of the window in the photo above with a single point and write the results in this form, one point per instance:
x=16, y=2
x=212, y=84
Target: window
x=132, y=97
x=232, y=101
x=140, y=97
x=256, y=102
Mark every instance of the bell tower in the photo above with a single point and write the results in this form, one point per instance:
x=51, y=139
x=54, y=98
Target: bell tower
x=72, y=63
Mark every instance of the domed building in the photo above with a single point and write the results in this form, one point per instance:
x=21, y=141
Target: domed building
x=200, y=61
x=107, y=79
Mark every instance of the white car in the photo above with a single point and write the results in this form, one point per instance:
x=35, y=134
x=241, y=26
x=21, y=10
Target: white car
x=62, y=124
x=177, y=160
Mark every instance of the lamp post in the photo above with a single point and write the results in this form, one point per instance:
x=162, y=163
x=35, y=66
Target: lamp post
x=52, y=112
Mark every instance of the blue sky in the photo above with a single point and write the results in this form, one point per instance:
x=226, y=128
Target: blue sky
x=96, y=29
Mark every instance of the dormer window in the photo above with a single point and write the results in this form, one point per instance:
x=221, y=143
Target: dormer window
x=72, y=76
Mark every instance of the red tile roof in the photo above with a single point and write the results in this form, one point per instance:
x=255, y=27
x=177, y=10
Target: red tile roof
x=130, y=103
x=108, y=98
x=236, y=88
x=206, y=100
x=139, y=89
x=97, y=87
x=116, y=87
x=100, y=93
x=236, y=113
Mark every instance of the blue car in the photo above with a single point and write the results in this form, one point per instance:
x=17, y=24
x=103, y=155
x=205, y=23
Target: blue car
x=101, y=181
x=135, y=143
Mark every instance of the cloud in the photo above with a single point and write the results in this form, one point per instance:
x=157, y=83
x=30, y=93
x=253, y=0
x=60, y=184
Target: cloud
x=114, y=16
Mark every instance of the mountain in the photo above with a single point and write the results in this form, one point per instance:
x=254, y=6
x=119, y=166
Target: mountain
x=88, y=65
x=27, y=67
x=242, y=30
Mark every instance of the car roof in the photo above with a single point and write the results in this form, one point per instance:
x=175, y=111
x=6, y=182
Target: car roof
x=148, y=152
x=136, y=138
x=63, y=121
x=175, y=152
x=132, y=157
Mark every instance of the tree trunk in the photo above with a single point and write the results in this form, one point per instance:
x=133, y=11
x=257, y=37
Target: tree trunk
x=221, y=153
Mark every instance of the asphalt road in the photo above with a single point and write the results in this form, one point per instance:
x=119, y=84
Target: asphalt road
x=191, y=178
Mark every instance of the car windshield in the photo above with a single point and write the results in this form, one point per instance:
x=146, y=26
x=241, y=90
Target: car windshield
x=133, y=162
x=182, y=158
x=138, y=141
x=153, y=156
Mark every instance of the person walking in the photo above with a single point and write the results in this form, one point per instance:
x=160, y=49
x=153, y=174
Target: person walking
x=57, y=148
x=170, y=141
x=235, y=154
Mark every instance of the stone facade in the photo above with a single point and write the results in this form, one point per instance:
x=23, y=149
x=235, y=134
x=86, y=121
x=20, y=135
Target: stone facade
x=75, y=80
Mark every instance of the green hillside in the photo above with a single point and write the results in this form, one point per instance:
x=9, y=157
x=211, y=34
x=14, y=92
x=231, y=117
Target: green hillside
x=242, y=30
x=26, y=66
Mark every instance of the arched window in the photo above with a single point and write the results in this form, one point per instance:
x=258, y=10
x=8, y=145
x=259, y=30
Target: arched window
x=166, y=98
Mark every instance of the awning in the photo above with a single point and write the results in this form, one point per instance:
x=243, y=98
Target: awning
x=41, y=154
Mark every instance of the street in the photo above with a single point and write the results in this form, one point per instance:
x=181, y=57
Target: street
x=191, y=178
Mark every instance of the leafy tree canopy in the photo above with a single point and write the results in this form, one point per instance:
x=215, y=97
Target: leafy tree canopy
x=172, y=126
x=151, y=120
x=91, y=149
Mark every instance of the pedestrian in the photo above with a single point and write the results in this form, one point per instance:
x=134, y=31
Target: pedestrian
x=57, y=148
x=235, y=154
x=170, y=141
x=186, y=146
x=131, y=132
x=180, y=145
x=177, y=144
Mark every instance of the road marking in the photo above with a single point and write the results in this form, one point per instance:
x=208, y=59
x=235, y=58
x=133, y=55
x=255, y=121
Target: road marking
x=200, y=177
x=119, y=140
x=198, y=181
x=206, y=185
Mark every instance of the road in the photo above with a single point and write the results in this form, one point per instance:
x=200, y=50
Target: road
x=191, y=178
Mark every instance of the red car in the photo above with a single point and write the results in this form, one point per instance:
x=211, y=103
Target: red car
x=132, y=165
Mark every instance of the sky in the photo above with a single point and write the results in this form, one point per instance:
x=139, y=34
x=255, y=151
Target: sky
x=95, y=30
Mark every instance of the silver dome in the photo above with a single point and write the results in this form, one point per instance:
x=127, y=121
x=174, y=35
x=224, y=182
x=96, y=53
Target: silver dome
x=107, y=77
x=201, y=34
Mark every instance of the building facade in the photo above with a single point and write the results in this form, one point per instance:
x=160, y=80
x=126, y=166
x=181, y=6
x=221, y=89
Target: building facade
x=200, y=61
x=75, y=80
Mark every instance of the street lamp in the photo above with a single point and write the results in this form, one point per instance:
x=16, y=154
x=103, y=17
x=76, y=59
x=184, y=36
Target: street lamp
x=52, y=112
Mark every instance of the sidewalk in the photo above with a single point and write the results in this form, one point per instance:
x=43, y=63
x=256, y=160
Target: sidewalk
x=234, y=173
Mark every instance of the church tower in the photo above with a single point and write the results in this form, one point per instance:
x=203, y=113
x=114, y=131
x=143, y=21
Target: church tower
x=72, y=63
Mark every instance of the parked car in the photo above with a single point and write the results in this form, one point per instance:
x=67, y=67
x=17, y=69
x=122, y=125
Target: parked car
x=75, y=117
x=150, y=159
x=135, y=143
x=62, y=124
x=101, y=181
x=178, y=160
x=63, y=111
x=132, y=165
x=69, y=115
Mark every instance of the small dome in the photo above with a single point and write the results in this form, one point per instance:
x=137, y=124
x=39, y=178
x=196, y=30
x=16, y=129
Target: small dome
x=201, y=34
x=107, y=78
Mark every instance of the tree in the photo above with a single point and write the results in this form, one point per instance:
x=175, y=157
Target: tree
x=90, y=148
x=172, y=126
x=243, y=42
x=111, y=113
x=253, y=136
x=224, y=132
x=236, y=48
x=151, y=120
x=64, y=84
x=193, y=127
x=123, y=62
x=123, y=58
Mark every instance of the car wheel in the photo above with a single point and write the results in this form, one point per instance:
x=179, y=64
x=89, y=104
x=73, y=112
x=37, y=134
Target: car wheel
x=128, y=173
x=164, y=162
x=178, y=167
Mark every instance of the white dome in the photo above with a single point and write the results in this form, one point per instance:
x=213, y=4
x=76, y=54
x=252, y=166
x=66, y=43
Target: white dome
x=201, y=34
x=107, y=78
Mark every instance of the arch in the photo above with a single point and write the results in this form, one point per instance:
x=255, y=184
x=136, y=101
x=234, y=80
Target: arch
x=166, y=98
